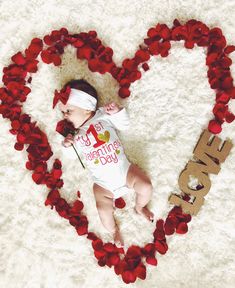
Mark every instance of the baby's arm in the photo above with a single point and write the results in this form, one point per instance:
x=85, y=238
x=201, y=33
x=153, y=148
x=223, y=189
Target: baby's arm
x=67, y=149
x=68, y=140
x=111, y=108
x=118, y=116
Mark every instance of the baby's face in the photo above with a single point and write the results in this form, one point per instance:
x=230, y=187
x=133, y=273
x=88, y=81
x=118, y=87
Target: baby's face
x=75, y=114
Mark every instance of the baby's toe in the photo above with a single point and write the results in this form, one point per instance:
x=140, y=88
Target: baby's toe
x=151, y=216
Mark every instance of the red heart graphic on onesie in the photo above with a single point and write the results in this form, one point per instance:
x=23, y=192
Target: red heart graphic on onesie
x=129, y=265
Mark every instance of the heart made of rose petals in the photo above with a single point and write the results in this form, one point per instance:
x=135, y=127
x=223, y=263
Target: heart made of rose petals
x=132, y=263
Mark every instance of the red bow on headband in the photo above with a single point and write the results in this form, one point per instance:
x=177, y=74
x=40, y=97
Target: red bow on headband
x=62, y=95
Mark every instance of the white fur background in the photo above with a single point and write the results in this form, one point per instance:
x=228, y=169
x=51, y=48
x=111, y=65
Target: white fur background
x=169, y=107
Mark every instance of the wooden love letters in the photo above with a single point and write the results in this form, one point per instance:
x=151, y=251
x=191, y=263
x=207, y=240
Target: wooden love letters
x=208, y=158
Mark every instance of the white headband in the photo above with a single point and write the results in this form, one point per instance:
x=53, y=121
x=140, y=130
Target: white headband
x=82, y=99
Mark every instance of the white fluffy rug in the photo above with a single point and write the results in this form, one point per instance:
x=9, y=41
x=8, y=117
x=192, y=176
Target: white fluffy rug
x=169, y=107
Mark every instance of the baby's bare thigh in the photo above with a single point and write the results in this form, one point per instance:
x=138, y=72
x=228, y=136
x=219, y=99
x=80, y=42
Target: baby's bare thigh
x=136, y=174
x=101, y=193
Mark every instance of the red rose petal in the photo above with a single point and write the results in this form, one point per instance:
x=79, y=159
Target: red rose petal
x=159, y=224
x=145, y=66
x=74, y=221
x=99, y=253
x=28, y=165
x=182, y=228
x=124, y=92
x=109, y=247
x=189, y=44
x=92, y=236
x=152, y=32
x=133, y=251
x=227, y=83
x=85, y=52
x=97, y=244
x=15, y=124
x=231, y=92
x=186, y=217
x=128, y=277
x=18, y=58
x=169, y=226
x=34, y=48
x=165, y=32
x=142, y=55
x=149, y=248
x=225, y=62
x=214, y=127
x=161, y=246
x=37, y=177
x=151, y=260
x=56, y=173
x=19, y=146
x=78, y=43
x=132, y=262
x=120, y=267
x=229, y=49
x=229, y=117
x=120, y=203
x=112, y=259
x=32, y=66
x=140, y=271
x=77, y=207
x=47, y=39
x=222, y=97
x=102, y=261
x=46, y=56
x=56, y=59
x=154, y=48
x=81, y=230
x=94, y=64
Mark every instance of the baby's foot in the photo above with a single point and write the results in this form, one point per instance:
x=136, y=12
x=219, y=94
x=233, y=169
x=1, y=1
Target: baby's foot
x=145, y=212
x=118, y=238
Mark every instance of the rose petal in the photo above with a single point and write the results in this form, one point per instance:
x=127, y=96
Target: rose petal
x=19, y=146
x=120, y=203
x=182, y=228
x=169, y=227
x=18, y=58
x=161, y=246
x=229, y=49
x=214, y=127
x=128, y=277
x=97, y=244
x=151, y=260
x=140, y=271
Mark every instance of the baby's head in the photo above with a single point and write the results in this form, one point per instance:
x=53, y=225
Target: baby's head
x=80, y=106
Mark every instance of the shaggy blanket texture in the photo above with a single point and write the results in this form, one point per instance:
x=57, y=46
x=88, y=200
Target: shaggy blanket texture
x=169, y=107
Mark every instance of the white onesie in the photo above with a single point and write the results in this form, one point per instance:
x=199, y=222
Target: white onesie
x=102, y=151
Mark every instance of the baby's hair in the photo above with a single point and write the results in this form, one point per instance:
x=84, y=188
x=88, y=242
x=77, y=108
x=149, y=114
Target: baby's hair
x=82, y=85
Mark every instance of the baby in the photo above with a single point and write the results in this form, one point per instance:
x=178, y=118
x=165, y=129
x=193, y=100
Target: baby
x=112, y=174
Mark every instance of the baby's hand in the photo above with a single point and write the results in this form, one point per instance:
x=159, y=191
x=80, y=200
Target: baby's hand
x=68, y=141
x=111, y=108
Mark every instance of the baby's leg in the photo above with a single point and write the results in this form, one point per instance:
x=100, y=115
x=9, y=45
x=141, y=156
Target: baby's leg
x=104, y=204
x=143, y=187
